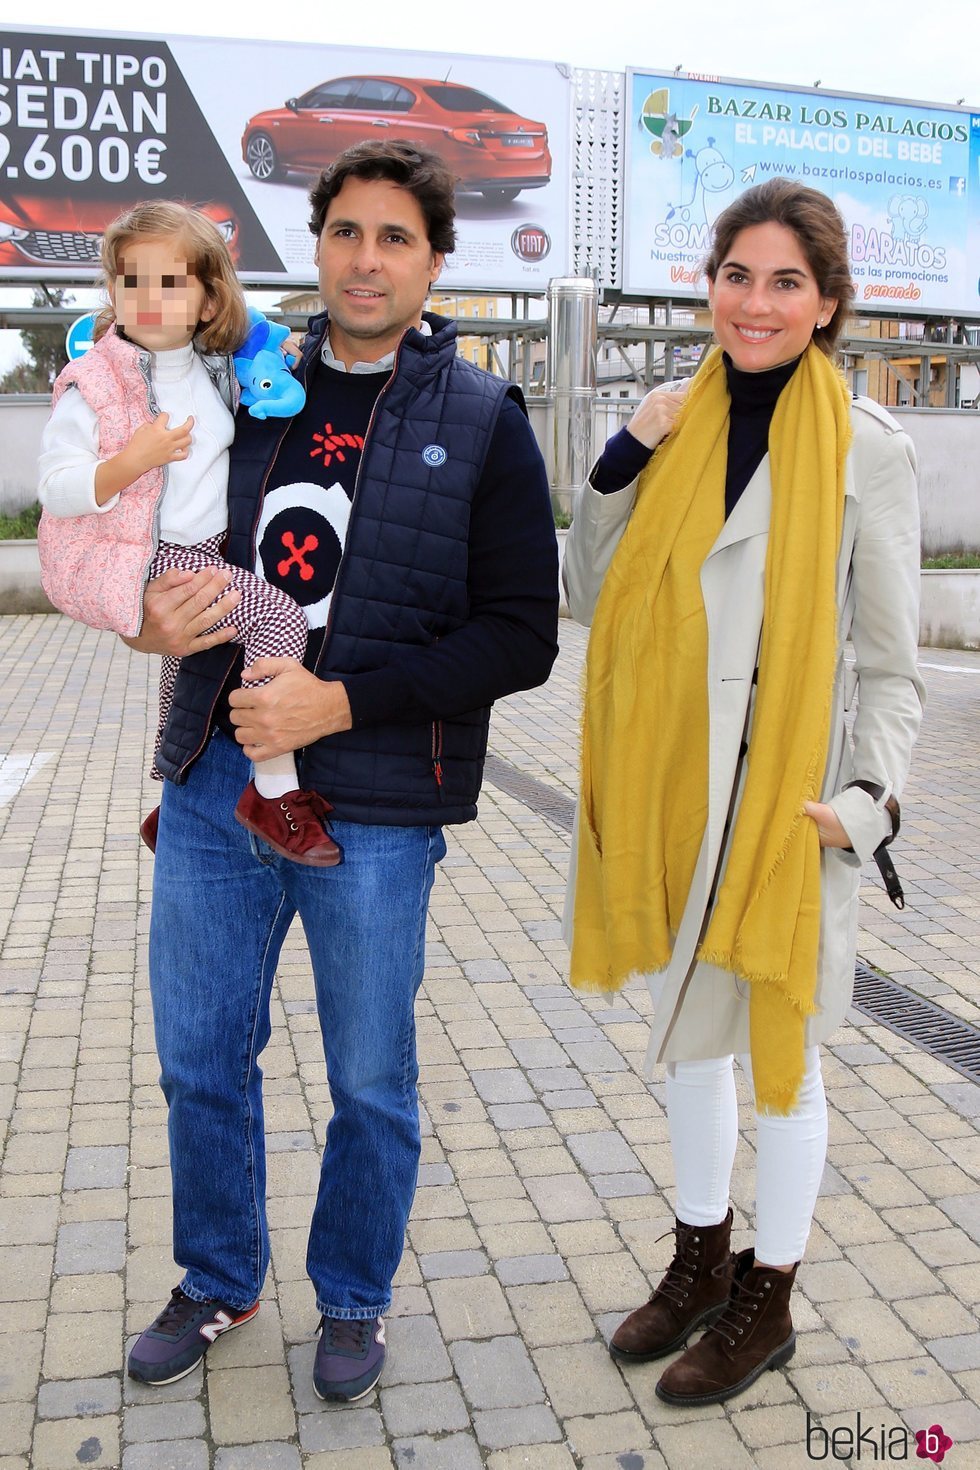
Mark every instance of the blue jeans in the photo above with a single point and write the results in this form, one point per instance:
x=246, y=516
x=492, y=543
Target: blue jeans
x=222, y=904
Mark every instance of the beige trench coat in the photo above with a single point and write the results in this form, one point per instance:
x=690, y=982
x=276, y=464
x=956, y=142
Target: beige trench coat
x=699, y=1010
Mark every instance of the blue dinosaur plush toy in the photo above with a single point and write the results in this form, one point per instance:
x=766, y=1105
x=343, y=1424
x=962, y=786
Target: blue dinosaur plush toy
x=269, y=389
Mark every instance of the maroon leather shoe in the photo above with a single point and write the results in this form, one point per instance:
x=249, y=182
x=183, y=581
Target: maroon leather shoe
x=292, y=825
x=148, y=828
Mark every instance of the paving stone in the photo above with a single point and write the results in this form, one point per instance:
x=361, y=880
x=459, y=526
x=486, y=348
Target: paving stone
x=502, y=1085
x=621, y=1434
x=249, y=1405
x=188, y=1454
x=78, y=1398
x=496, y=1374
x=833, y=1387
x=508, y=1116
x=535, y=1424
x=83, y=1344
x=956, y=1354
x=604, y=1152
x=144, y=1422
x=439, y=1265
x=965, y=1210
x=335, y=1428
x=581, y=1378
x=469, y=1308
x=418, y=1409
x=258, y=1457
x=454, y=1452
x=64, y=1444
x=416, y=1351
x=96, y=1167
x=521, y=1270
x=710, y=1446
x=536, y=1457
x=562, y=1197
x=95, y=1245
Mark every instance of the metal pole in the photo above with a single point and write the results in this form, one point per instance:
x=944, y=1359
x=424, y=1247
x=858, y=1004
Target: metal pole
x=573, y=317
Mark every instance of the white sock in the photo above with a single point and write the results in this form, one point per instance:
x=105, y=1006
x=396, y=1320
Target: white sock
x=276, y=776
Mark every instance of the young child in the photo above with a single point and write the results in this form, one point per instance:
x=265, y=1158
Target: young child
x=134, y=475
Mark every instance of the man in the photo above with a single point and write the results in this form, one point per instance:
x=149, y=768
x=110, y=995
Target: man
x=406, y=507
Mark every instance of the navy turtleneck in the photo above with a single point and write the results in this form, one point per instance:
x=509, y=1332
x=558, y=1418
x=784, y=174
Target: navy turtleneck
x=753, y=397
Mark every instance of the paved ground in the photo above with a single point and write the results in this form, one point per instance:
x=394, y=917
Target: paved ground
x=546, y=1177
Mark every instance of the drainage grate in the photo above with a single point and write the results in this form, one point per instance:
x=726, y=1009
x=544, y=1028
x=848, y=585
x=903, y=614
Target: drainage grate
x=943, y=1036
x=544, y=800
x=880, y=998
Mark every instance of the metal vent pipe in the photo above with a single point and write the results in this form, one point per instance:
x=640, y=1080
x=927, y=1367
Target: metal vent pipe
x=573, y=317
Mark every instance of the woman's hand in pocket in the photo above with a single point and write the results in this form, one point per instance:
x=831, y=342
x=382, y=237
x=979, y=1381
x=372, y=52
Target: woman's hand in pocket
x=829, y=827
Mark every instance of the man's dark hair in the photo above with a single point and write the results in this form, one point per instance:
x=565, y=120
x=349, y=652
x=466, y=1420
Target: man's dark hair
x=411, y=167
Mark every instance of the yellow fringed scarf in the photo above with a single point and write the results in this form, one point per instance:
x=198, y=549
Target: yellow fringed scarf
x=645, y=727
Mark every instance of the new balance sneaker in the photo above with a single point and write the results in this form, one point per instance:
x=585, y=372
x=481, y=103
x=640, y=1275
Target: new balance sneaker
x=349, y=1358
x=176, y=1341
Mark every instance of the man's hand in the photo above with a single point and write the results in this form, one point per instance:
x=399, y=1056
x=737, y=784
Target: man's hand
x=830, y=829
x=179, y=609
x=294, y=709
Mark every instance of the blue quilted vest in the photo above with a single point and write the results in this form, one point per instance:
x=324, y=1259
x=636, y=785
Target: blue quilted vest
x=402, y=582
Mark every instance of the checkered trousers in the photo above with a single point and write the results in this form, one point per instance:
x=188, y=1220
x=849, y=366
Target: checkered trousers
x=269, y=623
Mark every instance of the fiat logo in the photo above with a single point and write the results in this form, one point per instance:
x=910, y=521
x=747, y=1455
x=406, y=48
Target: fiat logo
x=530, y=242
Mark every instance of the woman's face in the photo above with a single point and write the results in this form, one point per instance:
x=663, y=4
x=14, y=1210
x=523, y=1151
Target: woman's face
x=765, y=301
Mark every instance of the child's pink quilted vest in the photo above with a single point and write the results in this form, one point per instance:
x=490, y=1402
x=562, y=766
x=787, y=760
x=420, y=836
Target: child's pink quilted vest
x=94, y=567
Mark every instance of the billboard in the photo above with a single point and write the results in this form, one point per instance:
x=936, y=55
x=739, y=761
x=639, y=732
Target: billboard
x=92, y=122
x=905, y=176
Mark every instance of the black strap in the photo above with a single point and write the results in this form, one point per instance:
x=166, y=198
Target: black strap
x=881, y=855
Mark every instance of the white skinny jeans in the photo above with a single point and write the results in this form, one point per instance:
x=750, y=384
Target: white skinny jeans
x=702, y=1115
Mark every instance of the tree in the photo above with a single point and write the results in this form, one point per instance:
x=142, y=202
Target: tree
x=45, y=347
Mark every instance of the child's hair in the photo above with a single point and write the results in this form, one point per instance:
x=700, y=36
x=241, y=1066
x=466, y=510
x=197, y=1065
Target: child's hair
x=207, y=254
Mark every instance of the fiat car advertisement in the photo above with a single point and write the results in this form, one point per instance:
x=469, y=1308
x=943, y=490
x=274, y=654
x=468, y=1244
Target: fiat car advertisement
x=90, y=123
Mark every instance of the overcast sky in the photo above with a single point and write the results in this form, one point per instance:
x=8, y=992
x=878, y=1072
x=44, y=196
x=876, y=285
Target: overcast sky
x=900, y=48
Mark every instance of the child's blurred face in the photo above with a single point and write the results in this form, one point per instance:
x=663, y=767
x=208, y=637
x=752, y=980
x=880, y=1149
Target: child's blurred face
x=158, y=300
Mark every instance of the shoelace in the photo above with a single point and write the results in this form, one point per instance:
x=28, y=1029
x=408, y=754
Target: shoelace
x=346, y=1337
x=174, y=1317
x=675, y=1277
x=305, y=805
x=739, y=1308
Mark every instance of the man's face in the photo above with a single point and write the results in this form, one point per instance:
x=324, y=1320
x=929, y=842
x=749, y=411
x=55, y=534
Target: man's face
x=376, y=267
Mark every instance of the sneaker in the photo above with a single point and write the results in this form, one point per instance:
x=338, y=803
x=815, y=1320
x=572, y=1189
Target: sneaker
x=349, y=1358
x=149, y=827
x=177, y=1340
x=292, y=825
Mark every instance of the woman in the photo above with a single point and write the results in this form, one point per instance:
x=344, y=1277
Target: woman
x=721, y=836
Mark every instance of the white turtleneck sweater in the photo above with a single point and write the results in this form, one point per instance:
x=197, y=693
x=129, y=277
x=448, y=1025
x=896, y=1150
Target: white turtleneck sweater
x=195, y=498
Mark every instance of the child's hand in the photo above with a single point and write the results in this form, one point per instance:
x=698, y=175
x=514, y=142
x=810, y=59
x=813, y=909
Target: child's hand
x=152, y=446
x=156, y=444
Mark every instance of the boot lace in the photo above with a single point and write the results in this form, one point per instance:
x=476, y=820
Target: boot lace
x=743, y=1304
x=682, y=1271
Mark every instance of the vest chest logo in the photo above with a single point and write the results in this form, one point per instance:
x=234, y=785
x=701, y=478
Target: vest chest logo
x=434, y=455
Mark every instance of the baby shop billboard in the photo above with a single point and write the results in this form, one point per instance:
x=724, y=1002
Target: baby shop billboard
x=905, y=176
x=90, y=123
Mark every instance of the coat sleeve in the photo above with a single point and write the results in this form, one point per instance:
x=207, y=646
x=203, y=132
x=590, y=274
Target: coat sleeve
x=598, y=523
x=884, y=631
x=69, y=460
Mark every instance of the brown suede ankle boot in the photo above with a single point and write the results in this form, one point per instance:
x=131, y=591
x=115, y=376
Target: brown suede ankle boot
x=753, y=1333
x=694, y=1291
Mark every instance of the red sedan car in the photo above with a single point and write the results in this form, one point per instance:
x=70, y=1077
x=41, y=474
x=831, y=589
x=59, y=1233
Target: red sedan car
x=492, y=150
x=65, y=232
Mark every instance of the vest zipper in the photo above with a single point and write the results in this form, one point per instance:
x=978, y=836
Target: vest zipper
x=152, y=403
x=437, y=754
x=301, y=755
